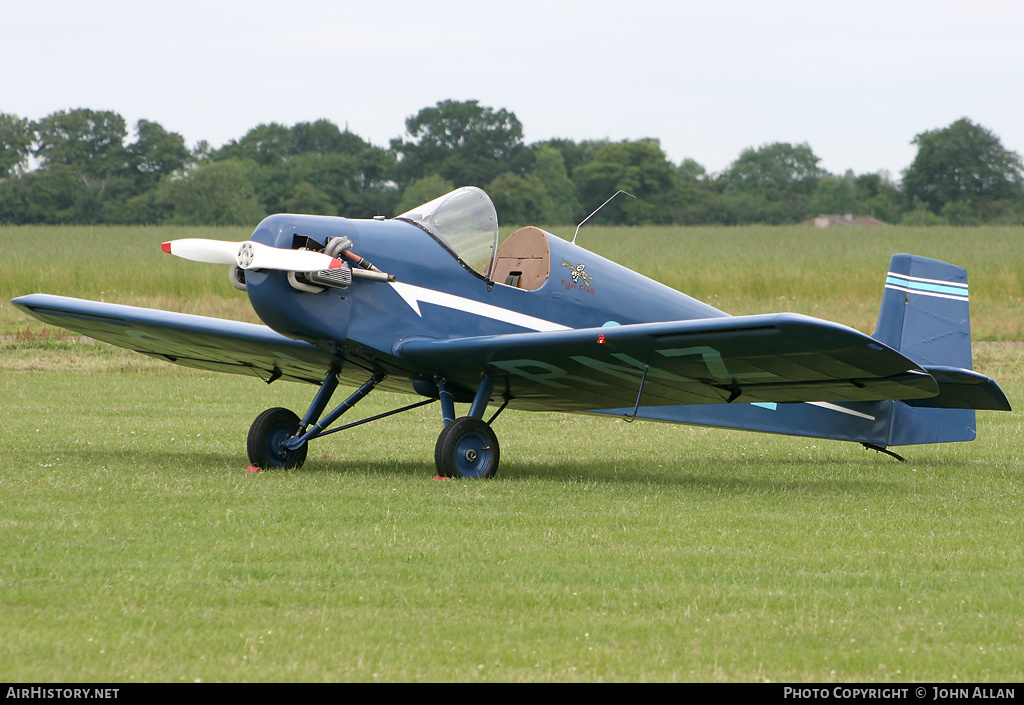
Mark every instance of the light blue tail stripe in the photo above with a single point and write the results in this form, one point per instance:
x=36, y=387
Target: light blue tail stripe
x=947, y=289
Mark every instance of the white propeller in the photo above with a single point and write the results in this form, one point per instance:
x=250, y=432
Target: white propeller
x=250, y=255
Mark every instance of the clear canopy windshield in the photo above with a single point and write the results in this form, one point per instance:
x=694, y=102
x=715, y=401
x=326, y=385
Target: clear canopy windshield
x=465, y=222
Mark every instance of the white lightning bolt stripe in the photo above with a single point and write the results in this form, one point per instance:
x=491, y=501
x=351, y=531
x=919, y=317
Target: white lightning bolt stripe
x=841, y=409
x=415, y=295
x=772, y=406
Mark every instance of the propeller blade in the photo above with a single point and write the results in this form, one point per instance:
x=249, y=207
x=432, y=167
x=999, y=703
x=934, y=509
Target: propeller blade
x=200, y=250
x=250, y=255
x=253, y=255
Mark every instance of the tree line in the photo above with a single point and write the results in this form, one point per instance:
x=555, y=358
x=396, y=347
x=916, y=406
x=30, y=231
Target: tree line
x=79, y=166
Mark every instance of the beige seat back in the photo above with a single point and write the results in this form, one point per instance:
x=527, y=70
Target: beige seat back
x=524, y=259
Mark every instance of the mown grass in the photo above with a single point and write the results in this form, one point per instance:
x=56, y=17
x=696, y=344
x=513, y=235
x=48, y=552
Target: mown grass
x=137, y=548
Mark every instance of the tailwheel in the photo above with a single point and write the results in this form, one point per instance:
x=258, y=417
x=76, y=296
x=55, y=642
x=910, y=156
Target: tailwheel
x=265, y=444
x=467, y=447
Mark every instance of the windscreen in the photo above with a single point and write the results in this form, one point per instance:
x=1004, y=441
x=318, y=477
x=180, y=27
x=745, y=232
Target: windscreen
x=465, y=222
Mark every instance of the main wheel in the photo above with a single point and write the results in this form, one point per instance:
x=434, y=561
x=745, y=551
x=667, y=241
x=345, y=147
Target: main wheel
x=265, y=444
x=467, y=447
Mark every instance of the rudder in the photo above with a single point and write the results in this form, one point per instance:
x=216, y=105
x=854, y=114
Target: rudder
x=925, y=314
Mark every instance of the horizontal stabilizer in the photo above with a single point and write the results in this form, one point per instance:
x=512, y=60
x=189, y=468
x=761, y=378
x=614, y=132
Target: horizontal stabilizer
x=963, y=389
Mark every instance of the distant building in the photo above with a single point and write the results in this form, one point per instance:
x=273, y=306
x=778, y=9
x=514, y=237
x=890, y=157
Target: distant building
x=844, y=221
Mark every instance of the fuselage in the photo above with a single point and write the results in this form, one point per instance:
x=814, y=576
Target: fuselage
x=435, y=295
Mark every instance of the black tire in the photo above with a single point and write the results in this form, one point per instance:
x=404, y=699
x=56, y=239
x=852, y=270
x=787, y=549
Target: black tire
x=267, y=433
x=467, y=447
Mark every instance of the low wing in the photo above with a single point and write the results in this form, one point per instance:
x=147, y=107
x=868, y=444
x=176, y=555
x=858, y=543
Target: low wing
x=193, y=341
x=770, y=358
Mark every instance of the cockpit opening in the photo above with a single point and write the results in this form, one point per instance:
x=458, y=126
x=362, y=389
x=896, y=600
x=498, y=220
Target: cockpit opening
x=466, y=224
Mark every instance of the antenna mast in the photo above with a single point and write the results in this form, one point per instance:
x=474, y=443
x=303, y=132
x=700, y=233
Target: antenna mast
x=596, y=210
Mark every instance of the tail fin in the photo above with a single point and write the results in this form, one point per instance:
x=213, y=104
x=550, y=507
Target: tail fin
x=925, y=314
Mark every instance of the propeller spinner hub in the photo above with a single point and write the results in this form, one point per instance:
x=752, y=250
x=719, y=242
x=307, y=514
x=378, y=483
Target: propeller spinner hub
x=246, y=255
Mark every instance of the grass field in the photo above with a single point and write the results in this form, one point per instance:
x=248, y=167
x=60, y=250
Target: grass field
x=137, y=548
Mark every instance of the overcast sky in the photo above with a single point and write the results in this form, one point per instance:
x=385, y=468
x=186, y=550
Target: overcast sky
x=857, y=79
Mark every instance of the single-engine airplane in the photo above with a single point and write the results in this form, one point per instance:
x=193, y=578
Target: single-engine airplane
x=540, y=324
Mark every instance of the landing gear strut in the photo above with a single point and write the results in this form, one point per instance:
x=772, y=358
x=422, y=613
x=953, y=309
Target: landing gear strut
x=279, y=439
x=466, y=447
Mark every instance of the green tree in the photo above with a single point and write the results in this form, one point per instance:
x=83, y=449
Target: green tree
x=918, y=213
x=835, y=195
x=574, y=154
x=16, y=139
x=320, y=137
x=266, y=144
x=324, y=137
x=89, y=142
x=423, y=191
x=519, y=200
x=695, y=200
x=81, y=164
x=338, y=181
x=54, y=195
x=963, y=162
x=544, y=196
x=692, y=170
x=959, y=213
x=216, y=193
x=638, y=167
x=306, y=198
x=315, y=167
x=462, y=142
x=879, y=197
x=741, y=207
x=777, y=182
x=156, y=153
x=549, y=171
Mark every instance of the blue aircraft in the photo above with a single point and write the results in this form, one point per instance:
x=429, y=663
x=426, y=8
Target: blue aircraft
x=539, y=324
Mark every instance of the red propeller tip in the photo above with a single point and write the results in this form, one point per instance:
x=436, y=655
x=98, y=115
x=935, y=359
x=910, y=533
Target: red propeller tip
x=166, y=247
x=335, y=264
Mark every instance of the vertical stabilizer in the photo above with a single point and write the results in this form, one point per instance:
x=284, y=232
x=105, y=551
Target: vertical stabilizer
x=925, y=315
